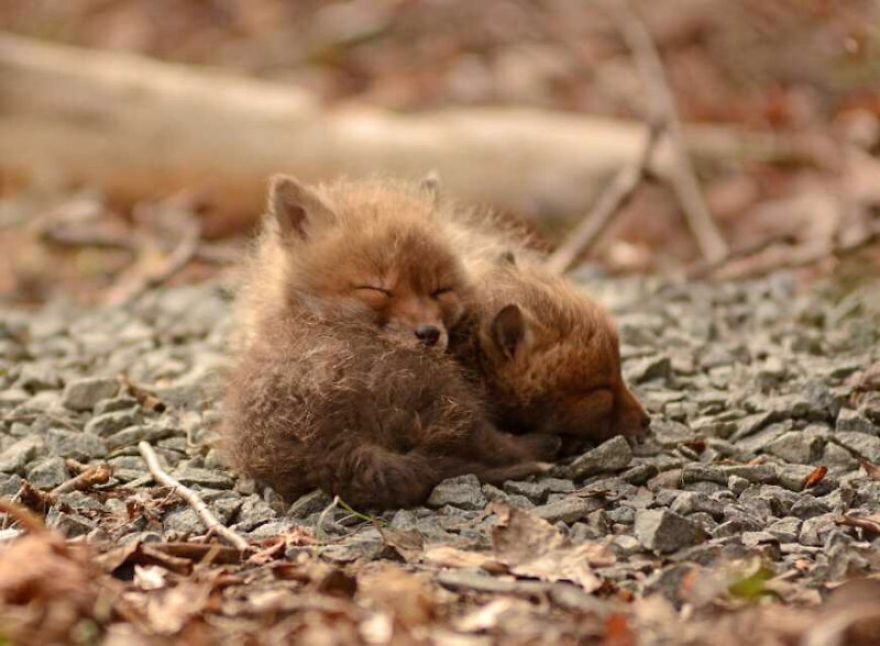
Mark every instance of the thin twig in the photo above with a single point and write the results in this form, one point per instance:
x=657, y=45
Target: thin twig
x=192, y=498
x=699, y=218
x=610, y=202
x=805, y=257
x=180, y=257
x=93, y=475
x=705, y=269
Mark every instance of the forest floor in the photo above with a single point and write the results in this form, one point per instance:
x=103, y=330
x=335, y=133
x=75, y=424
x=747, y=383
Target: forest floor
x=754, y=498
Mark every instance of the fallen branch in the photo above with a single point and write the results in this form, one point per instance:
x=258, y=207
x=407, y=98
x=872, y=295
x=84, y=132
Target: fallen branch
x=185, y=251
x=706, y=269
x=610, y=202
x=93, y=475
x=683, y=178
x=192, y=498
x=801, y=257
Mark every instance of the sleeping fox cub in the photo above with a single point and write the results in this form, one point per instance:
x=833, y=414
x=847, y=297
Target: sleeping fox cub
x=342, y=382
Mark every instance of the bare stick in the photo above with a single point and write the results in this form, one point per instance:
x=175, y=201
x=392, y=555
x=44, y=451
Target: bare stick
x=697, y=214
x=704, y=269
x=192, y=498
x=610, y=202
x=179, y=258
x=801, y=257
x=93, y=475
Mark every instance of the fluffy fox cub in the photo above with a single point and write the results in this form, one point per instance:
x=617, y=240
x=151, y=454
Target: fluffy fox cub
x=335, y=387
x=356, y=252
x=547, y=356
x=337, y=407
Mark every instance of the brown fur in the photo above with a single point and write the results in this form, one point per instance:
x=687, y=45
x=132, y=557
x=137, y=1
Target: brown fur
x=330, y=390
x=548, y=356
x=355, y=251
x=338, y=408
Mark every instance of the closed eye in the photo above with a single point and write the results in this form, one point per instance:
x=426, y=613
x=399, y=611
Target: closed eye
x=373, y=288
x=437, y=293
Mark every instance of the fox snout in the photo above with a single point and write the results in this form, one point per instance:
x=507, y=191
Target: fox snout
x=428, y=335
x=631, y=419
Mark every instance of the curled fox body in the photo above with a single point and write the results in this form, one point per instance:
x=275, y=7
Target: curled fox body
x=547, y=356
x=341, y=383
x=380, y=424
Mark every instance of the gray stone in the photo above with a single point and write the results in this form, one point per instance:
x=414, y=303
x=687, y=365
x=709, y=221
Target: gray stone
x=613, y=455
x=79, y=446
x=807, y=507
x=48, y=473
x=34, y=377
x=786, y=529
x=83, y=394
x=203, y=477
x=689, y=502
x=815, y=530
x=110, y=423
x=310, y=503
x=568, y=510
x=184, y=522
x=721, y=474
x=131, y=435
x=664, y=531
x=116, y=404
x=640, y=474
x=648, y=369
x=254, y=511
x=463, y=492
x=799, y=447
x=855, y=421
x=70, y=525
x=16, y=457
x=535, y=491
x=737, y=484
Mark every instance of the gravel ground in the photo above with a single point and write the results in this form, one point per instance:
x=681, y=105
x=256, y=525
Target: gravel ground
x=752, y=388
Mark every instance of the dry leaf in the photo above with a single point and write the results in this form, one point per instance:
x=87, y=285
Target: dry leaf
x=150, y=577
x=448, y=556
x=409, y=544
x=872, y=470
x=170, y=609
x=532, y=547
x=815, y=477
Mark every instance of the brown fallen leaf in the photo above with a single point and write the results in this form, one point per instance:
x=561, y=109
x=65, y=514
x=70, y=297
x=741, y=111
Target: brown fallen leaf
x=815, y=477
x=872, y=470
x=532, y=547
x=168, y=610
x=40, y=571
x=851, y=616
x=618, y=632
x=406, y=597
x=868, y=523
x=448, y=556
x=408, y=544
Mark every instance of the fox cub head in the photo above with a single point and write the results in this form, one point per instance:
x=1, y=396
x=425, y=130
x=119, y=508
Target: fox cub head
x=370, y=253
x=553, y=359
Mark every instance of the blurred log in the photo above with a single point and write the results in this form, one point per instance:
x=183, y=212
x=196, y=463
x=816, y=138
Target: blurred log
x=139, y=128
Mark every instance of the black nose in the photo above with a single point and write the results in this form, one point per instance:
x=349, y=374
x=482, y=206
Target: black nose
x=428, y=334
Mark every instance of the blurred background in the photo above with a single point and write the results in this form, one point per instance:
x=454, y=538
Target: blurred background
x=136, y=135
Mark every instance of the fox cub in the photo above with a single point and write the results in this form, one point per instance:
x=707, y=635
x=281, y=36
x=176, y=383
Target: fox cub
x=342, y=382
x=369, y=252
x=547, y=356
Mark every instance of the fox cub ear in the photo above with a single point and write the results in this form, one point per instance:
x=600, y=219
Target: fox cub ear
x=509, y=329
x=295, y=206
